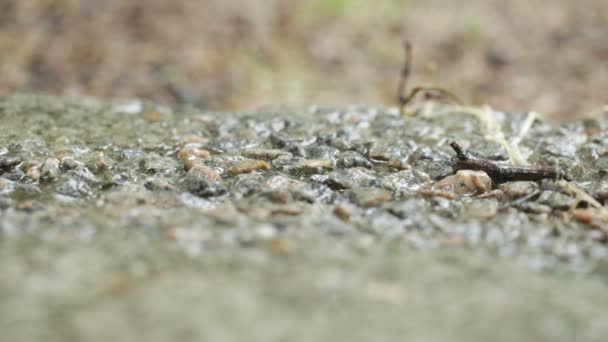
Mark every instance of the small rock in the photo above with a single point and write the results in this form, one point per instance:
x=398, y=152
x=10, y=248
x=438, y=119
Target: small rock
x=6, y=186
x=192, y=153
x=465, y=182
x=399, y=163
x=534, y=207
x=369, y=197
x=265, y=154
x=518, y=189
x=153, y=163
x=156, y=116
x=482, y=209
x=594, y=217
x=32, y=171
x=192, y=156
x=6, y=163
x=308, y=166
x=49, y=171
x=69, y=163
x=350, y=159
x=205, y=172
x=349, y=178
x=5, y=202
x=99, y=162
x=265, y=231
x=201, y=186
x=405, y=182
x=322, y=152
x=343, y=211
x=278, y=196
x=555, y=200
x=280, y=182
x=154, y=184
x=247, y=166
x=73, y=188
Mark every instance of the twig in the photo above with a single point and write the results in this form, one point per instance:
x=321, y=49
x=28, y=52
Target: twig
x=500, y=173
x=403, y=97
x=405, y=74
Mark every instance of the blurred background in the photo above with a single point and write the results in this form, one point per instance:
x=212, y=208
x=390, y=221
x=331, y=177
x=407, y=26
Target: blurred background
x=519, y=55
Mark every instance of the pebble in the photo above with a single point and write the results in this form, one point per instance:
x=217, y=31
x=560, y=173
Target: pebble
x=514, y=190
x=205, y=172
x=191, y=157
x=280, y=182
x=555, y=200
x=153, y=163
x=73, y=188
x=400, y=164
x=265, y=154
x=349, y=178
x=6, y=186
x=201, y=186
x=369, y=197
x=49, y=171
x=192, y=153
x=7, y=163
x=98, y=162
x=343, y=211
x=154, y=184
x=350, y=159
x=69, y=163
x=405, y=182
x=465, y=182
x=32, y=171
x=248, y=165
x=308, y=166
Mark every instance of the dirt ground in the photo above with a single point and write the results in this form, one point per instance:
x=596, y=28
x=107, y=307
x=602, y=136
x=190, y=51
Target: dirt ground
x=543, y=55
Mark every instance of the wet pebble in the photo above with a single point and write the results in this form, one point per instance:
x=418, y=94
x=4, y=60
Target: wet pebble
x=49, y=171
x=278, y=182
x=152, y=163
x=514, y=190
x=466, y=182
x=308, y=166
x=555, y=200
x=405, y=182
x=248, y=165
x=205, y=172
x=369, y=197
x=154, y=184
x=7, y=163
x=201, y=186
x=482, y=209
x=6, y=186
x=32, y=170
x=349, y=178
x=534, y=207
x=71, y=187
x=350, y=159
x=69, y=163
x=189, y=153
x=344, y=211
x=99, y=162
x=265, y=154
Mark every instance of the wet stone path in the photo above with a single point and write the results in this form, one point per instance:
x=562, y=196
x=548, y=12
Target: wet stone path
x=294, y=224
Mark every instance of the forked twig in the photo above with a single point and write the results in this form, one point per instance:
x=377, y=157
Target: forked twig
x=405, y=74
x=499, y=172
x=403, y=97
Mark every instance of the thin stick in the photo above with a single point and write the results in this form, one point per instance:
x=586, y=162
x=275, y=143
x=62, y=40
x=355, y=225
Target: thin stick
x=405, y=74
x=403, y=97
x=500, y=173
